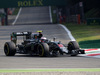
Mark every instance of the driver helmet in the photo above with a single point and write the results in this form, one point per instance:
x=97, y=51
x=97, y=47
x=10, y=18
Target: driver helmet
x=43, y=39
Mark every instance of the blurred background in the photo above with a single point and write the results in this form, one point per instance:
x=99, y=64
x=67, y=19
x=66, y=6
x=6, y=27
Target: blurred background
x=73, y=11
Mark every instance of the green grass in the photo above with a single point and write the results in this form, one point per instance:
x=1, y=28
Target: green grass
x=52, y=70
x=83, y=32
x=90, y=44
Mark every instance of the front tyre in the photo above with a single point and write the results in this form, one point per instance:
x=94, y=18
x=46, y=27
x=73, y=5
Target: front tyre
x=73, y=48
x=43, y=49
x=9, y=49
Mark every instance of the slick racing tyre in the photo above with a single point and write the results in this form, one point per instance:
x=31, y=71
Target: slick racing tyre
x=73, y=48
x=9, y=49
x=43, y=49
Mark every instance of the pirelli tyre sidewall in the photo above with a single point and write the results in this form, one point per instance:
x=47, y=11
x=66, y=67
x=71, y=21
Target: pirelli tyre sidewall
x=43, y=49
x=73, y=48
x=9, y=49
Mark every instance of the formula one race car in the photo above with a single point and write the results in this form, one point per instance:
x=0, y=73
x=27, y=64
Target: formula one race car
x=36, y=44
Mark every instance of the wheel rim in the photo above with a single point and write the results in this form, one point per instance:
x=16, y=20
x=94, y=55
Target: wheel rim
x=70, y=46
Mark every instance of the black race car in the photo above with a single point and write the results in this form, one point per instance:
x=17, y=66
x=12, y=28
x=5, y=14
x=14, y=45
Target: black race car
x=36, y=44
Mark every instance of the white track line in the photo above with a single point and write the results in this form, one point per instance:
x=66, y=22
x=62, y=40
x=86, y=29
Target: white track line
x=50, y=14
x=17, y=16
x=69, y=33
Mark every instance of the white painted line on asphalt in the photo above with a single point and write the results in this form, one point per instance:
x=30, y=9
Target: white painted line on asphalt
x=17, y=16
x=69, y=33
x=50, y=14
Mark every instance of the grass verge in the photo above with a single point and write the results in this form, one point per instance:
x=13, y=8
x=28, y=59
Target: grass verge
x=83, y=32
x=51, y=70
x=90, y=44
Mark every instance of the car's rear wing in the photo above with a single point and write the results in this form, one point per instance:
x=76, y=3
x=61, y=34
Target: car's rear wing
x=15, y=34
x=21, y=33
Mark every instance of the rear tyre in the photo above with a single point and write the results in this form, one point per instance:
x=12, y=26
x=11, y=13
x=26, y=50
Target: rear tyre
x=9, y=49
x=73, y=48
x=43, y=49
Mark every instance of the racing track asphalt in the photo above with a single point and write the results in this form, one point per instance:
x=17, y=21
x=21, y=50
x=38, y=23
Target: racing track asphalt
x=49, y=31
x=26, y=61
x=33, y=15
